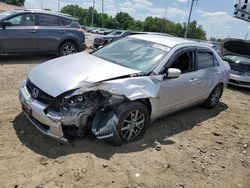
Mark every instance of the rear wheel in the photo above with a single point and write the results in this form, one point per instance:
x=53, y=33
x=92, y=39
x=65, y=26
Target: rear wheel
x=67, y=48
x=214, y=97
x=133, y=121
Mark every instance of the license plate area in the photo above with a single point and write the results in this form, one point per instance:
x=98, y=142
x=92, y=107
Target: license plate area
x=26, y=109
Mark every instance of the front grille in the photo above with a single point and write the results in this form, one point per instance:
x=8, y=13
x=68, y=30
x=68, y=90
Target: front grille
x=42, y=96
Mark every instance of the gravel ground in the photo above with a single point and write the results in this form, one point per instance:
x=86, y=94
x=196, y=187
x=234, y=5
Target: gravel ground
x=193, y=148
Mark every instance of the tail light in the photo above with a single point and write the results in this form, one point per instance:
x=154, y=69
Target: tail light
x=81, y=30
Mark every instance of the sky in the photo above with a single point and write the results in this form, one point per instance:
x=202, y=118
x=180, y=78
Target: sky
x=215, y=16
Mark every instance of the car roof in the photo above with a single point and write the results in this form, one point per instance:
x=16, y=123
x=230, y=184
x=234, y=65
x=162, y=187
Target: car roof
x=44, y=12
x=167, y=40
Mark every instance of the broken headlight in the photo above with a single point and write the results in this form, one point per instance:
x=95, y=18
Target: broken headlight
x=99, y=98
x=69, y=101
x=89, y=98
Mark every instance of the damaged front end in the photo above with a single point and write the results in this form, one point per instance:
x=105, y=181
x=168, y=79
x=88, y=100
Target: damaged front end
x=90, y=111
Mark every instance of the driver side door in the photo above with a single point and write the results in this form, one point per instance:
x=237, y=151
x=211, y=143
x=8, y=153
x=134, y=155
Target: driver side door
x=181, y=92
x=21, y=35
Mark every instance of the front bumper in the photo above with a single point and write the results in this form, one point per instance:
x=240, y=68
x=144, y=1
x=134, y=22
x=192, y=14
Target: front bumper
x=98, y=42
x=96, y=45
x=46, y=122
x=239, y=79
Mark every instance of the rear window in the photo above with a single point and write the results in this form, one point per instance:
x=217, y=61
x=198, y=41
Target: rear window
x=204, y=59
x=48, y=20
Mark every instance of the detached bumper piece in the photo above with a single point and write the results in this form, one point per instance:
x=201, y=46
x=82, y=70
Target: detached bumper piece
x=104, y=127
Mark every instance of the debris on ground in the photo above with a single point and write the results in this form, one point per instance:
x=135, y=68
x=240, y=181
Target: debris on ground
x=157, y=146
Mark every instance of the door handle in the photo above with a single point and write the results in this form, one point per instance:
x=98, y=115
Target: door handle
x=62, y=32
x=32, y=31
x=193, y=80
x=216, y=73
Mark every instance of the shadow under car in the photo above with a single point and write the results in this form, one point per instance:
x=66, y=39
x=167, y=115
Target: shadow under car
x=159, y=130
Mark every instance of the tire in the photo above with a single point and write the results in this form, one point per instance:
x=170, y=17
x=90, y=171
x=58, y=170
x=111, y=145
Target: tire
x=214, y=97
x=129, y=128
x=67, y=48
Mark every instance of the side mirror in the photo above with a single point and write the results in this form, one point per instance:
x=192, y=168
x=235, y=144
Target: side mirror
x=173, y=73
x=5, y=24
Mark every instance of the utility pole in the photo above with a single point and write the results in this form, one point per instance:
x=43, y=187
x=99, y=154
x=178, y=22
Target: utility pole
x=190, y=12
x=58, y=8
x=102, y=13
x=92, y=20
x=42, y=4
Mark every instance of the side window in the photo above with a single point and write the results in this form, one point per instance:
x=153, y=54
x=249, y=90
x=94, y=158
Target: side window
x=66, y=21
x=204, y=59
x=184, y=62
x=23, y=20
x=48, y=20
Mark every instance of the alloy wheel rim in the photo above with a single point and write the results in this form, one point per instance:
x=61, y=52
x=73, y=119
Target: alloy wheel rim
x=132, y=125
x=216, y=96
x=68, y=50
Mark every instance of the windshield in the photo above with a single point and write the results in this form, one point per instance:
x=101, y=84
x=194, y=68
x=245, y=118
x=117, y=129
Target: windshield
x=134, y=53
x=238, y=59
x=115, y=33
x=4, y=14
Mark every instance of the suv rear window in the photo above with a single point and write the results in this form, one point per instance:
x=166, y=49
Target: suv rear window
x=48, y=20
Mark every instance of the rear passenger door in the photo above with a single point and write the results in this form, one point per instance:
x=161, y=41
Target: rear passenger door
x=208, y=70
x=21, y=36
x=50, y=32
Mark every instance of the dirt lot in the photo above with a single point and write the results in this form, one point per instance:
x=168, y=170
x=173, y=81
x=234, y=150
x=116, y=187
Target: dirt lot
x=198, y=147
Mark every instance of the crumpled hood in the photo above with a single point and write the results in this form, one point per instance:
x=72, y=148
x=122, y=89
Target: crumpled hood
x=66, y=73
x=238, y=47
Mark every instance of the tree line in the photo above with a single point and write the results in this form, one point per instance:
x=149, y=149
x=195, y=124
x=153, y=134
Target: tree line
x=124, y=21
x=14, y=2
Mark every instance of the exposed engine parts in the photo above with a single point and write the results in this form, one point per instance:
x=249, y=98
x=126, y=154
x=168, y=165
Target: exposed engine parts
x=80, y=113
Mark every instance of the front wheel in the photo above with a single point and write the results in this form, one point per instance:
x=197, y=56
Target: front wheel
x=214, y=97
x=133, y=121
x=67, y=48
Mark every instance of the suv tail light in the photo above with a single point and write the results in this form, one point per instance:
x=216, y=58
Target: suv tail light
x=81, y=30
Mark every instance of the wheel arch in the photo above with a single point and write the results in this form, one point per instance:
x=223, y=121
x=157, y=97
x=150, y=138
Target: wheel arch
x=147, y=103
x=222, y=84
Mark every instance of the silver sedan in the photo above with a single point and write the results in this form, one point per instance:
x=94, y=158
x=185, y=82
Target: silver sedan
x=118, y=90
